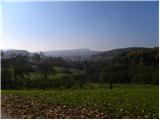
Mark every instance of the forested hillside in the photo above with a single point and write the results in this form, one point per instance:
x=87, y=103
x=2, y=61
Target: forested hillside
x=37, y=71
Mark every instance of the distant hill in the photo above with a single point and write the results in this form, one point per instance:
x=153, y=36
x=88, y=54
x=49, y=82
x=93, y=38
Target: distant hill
x=78, y=54
x=73, y=54
x=9, y=53
x=106, y=55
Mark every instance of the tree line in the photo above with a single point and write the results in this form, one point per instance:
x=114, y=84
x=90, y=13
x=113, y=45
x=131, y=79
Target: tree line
x=38, y=72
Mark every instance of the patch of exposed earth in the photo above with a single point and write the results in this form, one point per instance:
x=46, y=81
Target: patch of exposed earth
x=18, y=107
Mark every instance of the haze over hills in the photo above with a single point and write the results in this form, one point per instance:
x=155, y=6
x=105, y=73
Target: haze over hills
x=11, y=52
x=72, y=54
x=77, y=54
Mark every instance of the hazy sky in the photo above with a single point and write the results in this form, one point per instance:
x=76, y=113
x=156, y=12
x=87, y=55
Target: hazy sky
x=106, y=25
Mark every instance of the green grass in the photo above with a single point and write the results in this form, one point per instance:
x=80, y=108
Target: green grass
x=59, y=73
x=134, y=101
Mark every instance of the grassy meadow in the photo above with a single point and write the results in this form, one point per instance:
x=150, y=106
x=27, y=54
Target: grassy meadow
x=92, y=101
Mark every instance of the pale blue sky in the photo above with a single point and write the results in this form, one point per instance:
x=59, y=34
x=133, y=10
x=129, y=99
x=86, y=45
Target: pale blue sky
x=106, y=25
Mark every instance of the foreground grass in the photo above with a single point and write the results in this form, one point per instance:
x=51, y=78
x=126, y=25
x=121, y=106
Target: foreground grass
x=123, y=101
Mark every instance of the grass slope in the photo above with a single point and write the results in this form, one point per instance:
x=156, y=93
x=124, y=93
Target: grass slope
x=123, y=101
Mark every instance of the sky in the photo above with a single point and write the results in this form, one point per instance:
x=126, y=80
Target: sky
x=42, y=26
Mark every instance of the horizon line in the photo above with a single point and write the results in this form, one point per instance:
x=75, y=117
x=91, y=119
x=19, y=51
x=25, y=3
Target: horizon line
x=7, y=49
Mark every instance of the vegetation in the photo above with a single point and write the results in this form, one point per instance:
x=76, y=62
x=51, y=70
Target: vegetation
x=124, y=101
x=41, y=72
x=124, y=85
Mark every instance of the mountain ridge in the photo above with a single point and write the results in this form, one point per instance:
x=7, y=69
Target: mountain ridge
x=78, y=54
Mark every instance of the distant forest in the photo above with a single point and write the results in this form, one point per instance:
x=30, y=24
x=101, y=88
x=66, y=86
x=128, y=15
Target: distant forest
x=121, y=66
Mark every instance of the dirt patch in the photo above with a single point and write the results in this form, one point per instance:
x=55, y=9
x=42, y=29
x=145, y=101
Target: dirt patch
x=18, y=107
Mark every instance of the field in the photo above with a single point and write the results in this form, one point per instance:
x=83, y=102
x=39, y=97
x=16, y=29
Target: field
x=94, y=101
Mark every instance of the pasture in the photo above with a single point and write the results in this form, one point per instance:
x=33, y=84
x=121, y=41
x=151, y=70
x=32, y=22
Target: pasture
x=92, y=101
